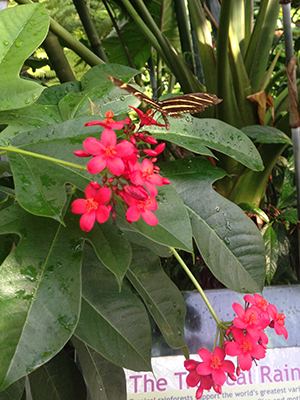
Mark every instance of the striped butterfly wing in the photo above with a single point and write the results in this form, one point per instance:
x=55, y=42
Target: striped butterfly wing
x=187, y=103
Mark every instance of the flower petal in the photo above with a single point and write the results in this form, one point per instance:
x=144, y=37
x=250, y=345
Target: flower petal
x=115, y=166
x=78, y=206
x=108, y=138
x=192, y=379
x=93, y=146
x=149, y=218
x=124, y=149
x=218, y=376
x=133, y=214
x=103, y=196
x=87, y=221
x=205, y=355
x=96, y=164
x=102, y=214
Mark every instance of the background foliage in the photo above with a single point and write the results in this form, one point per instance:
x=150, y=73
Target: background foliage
x=63, y=289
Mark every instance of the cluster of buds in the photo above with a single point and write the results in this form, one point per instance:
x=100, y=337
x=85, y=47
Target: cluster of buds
x=244, y=338
x=124, y=179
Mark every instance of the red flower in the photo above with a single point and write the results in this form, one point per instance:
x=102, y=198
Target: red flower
x=277, y=321
x=215, y=365
x=146, y=119
x=194, y=378
x=93, y=208
x=108, y=122
x=244, y=346
x=141, y=208
x=144, y=175
x=107, y=153
x=249, y=320
x=259, y=303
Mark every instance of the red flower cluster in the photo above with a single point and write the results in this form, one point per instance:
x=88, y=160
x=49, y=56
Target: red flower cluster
x=245, y=338
x=124, y=178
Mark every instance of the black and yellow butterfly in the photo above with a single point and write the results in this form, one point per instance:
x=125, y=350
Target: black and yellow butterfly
x=186, y=103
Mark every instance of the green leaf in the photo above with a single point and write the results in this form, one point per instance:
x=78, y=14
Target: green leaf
x=272, y=252
x=14, y=391
x=105, y=380
x=113, y=322
x=40, y=185
x=40, y=292
x=174, y=227
x=266, y=134
x=196, y=134
x=137, y=45
x=23, y=28
x=96, y=86
x=162, y=298
x=290, y=215
x=58, y=379
x=229, y=242
x=251, y=208
x=136, y=238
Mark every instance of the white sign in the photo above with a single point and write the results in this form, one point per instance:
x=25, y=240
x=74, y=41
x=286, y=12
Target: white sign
x=276, y=377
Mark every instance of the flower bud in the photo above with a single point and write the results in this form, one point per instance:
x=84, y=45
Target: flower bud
x=160, y=148
x=82, y=153
x=150, y=152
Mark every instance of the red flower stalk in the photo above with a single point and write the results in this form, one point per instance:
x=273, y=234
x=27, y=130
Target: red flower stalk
x=93, y=208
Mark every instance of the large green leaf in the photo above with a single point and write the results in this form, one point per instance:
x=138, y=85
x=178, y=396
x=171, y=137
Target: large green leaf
x=197, y=134
x=58, y=379
x=162, y=298
x=272, y=252
x=14, y=391
x=40, y=292
x=173, y=229
x=106, y=381
x=138, y=46
x=113, y=322
x=266, y=134
x=22, y=30
x=229, y=242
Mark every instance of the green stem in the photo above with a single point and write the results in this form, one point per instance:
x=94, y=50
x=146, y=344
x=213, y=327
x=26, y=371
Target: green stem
x=41, y=156
x=197, y=286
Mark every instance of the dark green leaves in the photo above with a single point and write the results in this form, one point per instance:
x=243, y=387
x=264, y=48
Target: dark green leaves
x=227, y=239
x=17, y=43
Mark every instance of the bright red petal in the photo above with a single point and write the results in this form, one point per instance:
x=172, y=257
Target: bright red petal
x=205, y=355
x=218, y=376
x=124, y=149
x=87, y=221
x=90, y=192
x=102, y=214
x=192, y=379
x=204, y=368
x=96, y=164
x=115, y=166
x=108, y=138
x=245, y=361
x=93, y=146
x=149, y=218
x=103, y=196
x=133, y=214
x=78, y=206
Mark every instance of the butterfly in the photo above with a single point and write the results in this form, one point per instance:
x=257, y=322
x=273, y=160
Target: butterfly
x=186, y=103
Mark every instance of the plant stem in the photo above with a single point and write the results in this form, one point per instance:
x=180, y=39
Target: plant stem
x=41, y=156
x=197, y=286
